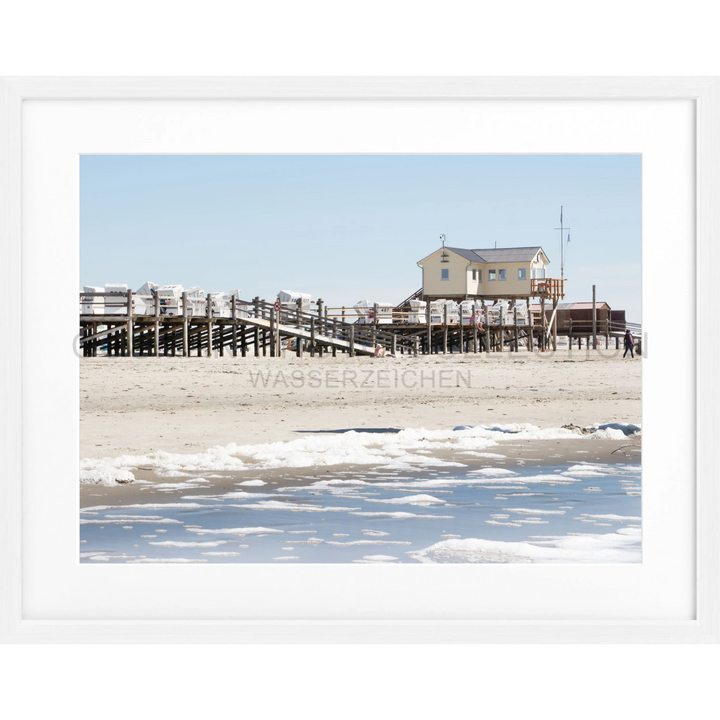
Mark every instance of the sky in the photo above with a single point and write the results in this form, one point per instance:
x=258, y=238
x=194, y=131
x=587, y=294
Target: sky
x=352, y=227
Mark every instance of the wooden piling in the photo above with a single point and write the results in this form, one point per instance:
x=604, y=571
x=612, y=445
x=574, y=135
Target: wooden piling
x=445, y=331
x=501, y=331
x=352, y=341
x=428, y=314
x=129, y=323
x=299, y=341
x=272, y=332
x=256, y=333
x=208, y=312
x=487, y=329
x=234, y=326
x=517, y=331
x=185, y=345
x=531, y=339
x=594, y=321
x=156, y=326
x=208, y=301
x=321, y=330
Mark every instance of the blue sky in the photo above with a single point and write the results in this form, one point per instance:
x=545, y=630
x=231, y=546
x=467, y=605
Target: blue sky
x=350, y=227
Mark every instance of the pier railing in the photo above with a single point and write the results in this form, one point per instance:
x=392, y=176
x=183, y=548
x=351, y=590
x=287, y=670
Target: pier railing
x=439, y=315
x=602, y=327
x=549, y=288
x=123, y=323
x=128, y=324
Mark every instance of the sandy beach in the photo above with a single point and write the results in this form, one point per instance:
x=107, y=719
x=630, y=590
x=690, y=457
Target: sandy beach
x=456, y=459
x=188, y=404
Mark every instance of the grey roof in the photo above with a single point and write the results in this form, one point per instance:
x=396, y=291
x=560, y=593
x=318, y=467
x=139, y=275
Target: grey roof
x=496, y=255
x=467, y=254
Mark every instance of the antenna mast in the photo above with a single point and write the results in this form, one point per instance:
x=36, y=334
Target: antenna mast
x=562, y=254
x=562, y=245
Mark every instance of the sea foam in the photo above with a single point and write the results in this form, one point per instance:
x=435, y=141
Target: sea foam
x=622, y=546
x=409, y=448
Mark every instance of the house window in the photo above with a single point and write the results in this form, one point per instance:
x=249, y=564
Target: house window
x=538, y=273
x=445, y=274
x=474, y=274
x=479, y=275
x=522, y=274
x=502, y=275
x=491, y=275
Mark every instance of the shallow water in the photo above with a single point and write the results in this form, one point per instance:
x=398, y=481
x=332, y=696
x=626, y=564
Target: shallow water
x=568, y=512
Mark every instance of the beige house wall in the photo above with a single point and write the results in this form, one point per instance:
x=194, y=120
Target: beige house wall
x=511, y=285
x=460, y=282
x=456, y=267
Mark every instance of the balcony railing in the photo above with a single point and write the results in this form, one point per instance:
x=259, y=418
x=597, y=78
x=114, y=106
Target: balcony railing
x=549, y=288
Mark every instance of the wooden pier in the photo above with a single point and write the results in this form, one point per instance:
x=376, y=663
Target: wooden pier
x=255, y=328
x=115, y=324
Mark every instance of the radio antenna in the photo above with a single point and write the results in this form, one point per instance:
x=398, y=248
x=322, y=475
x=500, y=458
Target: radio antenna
x=562, y=244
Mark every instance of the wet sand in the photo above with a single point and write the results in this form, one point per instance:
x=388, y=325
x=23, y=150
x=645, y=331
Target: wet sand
x=154, y=489
x=138, y=405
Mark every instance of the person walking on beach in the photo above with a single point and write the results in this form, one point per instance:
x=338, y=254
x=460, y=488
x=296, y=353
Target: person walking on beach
x=629, y=344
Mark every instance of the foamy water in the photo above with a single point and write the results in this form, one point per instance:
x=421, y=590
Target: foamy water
x=404, y=449
x=406, y=506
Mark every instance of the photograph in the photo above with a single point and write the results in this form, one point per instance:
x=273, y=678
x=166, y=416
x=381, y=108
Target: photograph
x=366, y=359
